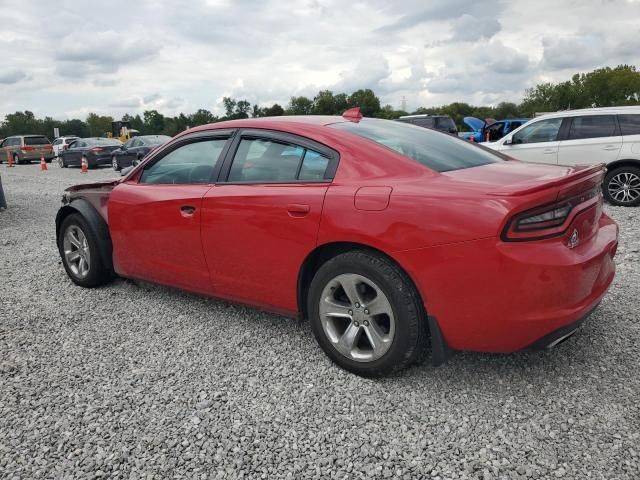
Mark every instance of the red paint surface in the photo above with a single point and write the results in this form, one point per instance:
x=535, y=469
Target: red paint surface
x=248, y=242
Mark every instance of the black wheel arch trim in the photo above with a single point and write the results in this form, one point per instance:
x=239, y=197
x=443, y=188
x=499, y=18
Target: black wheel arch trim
x=623, y=162
x=97, y=224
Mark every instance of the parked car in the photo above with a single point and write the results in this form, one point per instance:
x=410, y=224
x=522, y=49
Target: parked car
x=60, y=144
x=96, y=150
x=443, y=123
x=585, y=137
x=493, y=129
x=383, y=234
x=24, y=148
x=135, y=149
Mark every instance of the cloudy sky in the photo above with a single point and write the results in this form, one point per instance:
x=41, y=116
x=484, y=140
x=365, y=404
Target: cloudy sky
x=70, y=57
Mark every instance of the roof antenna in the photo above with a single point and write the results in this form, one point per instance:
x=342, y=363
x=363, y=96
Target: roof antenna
x=353, y=114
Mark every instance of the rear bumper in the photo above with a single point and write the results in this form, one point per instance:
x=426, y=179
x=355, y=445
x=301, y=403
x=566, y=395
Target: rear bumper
x=492, y=296
x=36, y=156
x=560, y=335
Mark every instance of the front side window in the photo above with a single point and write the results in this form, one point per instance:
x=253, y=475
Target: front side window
x=592, y=126
x=629, y=124
x=432, y=149
x=541, y=131
x=189, y=164
x=270, y=161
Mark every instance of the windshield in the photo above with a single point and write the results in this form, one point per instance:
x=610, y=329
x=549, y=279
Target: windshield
x=438, y=151
x=36, y=140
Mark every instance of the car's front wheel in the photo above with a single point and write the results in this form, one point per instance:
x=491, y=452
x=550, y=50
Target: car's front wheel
x=366, y=314
x=114, y=163
x=61, y=162
x=622, y=186
x=81, y=257
x=16, y=159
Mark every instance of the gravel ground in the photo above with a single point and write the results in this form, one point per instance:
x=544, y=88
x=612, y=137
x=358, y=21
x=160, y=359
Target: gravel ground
x=140, y=381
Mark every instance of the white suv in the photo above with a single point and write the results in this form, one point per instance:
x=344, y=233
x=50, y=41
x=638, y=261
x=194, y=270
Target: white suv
x=585, y=137
x=60, y=144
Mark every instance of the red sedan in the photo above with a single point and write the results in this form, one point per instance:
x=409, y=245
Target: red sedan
x=387, y=236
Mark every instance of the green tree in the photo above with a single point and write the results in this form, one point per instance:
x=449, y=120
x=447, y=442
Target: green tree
x=98, y=125
x=274, y=110
x=367, y=101
x=201, y=117
x=324, y=103
x=153, y=122
x=300, y=106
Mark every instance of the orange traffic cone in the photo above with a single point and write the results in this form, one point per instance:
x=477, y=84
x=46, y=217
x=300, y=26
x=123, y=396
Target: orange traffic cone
x=84, y=166
x=9, y=158
x=43, y=164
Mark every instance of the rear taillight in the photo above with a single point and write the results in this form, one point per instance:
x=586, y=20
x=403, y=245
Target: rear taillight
x=549, y=220
x=26, y=149
x=65, y=147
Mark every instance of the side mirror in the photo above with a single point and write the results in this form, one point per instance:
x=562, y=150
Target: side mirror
x=508, y=141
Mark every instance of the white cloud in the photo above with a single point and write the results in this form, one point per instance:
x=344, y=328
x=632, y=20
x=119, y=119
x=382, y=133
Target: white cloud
x=121, y=57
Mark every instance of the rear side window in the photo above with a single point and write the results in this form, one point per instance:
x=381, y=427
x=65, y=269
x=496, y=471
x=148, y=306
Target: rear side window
x=435, y=150
x=36, y=141
x=189, y=164
x=270, y=161
x=629, y=124
x=592, y=126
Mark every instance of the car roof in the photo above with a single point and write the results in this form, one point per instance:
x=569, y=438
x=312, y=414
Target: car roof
x=592, y=111
x=283, y=121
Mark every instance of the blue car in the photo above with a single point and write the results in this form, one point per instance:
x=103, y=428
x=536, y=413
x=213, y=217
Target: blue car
x=494, y=129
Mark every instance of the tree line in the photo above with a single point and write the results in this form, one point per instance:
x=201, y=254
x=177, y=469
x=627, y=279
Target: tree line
x=600, y=88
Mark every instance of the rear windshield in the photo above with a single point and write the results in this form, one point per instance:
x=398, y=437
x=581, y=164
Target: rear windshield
x=103, y=141
x=156, y=139
x=438, y=151
x=36, y=140
x=445, y=123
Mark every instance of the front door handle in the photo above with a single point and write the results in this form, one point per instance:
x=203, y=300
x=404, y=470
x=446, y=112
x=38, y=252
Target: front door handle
x=549, y=151
x=298, y=209
x=611, y=147
x=187, y=210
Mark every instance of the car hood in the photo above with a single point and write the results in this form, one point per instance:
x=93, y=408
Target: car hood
x=476, y=124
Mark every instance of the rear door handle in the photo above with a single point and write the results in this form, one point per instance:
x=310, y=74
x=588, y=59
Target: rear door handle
x=549, y=151
x=298, y=209
x=187, y=210
x=611, y=147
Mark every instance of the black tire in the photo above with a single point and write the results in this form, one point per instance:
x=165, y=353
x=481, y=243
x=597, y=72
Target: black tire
x=409, y=342
x=16, y=159
x=49, y=160
x=115, y=164
x=62, y=163
x=97, y=274
x=614, y=175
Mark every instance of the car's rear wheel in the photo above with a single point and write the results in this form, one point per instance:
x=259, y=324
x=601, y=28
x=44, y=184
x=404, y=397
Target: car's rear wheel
x=114, y=163
x=622, y=186
x=80, y=254
x=366, y=314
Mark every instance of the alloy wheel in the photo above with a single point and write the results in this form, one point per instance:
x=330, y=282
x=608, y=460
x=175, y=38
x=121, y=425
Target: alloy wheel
x=624, y=187
x=76, y=251
x=357, y=317
x=114, y=163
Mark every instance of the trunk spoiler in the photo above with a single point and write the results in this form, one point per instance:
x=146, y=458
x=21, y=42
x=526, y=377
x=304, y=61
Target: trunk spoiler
x=575, y=175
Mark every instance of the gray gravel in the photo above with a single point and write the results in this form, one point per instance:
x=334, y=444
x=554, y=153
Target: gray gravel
x=139, y=381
